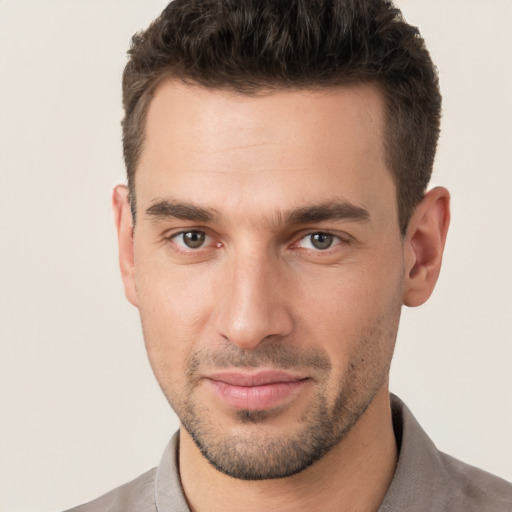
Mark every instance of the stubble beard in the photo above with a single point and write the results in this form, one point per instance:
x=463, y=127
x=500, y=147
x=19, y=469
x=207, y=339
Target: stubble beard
x=259, y=455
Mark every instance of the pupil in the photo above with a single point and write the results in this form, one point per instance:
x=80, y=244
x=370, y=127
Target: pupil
x=321, y=240
x=194, y=239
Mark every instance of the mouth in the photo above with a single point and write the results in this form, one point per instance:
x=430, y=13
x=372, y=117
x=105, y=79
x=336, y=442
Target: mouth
x=257, y=391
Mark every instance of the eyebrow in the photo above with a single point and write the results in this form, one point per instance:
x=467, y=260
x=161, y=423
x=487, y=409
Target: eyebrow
x=333, y=210
x=184, y=211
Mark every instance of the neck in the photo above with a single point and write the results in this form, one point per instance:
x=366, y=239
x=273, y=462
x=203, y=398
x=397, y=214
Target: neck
x=354, y=475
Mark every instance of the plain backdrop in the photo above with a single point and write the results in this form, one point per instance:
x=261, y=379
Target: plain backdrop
x=80, y=411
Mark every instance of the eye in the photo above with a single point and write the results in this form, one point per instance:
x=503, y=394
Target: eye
x=191, y=239
x=319, y=241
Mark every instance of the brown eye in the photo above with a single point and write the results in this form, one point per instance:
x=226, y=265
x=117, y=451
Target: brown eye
x=191, y=239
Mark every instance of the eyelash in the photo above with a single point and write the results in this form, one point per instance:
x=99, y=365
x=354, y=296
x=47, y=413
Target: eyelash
x=172, y=238
x=336, y=240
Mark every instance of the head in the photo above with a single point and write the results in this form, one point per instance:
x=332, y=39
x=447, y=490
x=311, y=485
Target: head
x=276, y=218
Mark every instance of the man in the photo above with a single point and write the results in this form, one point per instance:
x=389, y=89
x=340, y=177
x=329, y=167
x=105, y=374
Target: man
x=275, y=221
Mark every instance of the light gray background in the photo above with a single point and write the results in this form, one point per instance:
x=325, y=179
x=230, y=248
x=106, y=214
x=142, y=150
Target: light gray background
x=79, y=409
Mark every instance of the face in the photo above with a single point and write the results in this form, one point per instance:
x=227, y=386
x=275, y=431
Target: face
x=268, y=268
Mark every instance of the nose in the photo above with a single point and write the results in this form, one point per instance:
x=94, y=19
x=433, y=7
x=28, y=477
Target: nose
x=254, y=305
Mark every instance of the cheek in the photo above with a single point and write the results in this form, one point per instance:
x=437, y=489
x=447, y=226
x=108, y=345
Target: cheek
x=353, y=311
x=174, y=307
x=173, y=296
x=341, y=297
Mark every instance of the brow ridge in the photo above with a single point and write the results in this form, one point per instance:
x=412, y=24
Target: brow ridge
x=333, y=210
x=165, y=209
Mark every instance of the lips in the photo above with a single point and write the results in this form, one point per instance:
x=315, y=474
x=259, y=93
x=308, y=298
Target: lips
x=255, y=391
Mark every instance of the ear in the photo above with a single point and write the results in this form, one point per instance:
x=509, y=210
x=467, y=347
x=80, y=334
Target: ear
x=424, y=245
x=124, y=227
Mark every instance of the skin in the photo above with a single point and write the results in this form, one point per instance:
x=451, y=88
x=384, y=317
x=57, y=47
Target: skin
x=258, y=294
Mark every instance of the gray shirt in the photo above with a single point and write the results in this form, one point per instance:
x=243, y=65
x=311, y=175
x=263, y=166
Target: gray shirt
x=425, y=480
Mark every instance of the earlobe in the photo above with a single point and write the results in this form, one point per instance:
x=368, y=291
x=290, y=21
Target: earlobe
x=424, y=246
x=124, y=227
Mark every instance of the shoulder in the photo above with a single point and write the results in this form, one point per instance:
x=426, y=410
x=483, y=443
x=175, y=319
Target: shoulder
x=475, y=489
x=135, y=496
x=157, y=489
x=427, y=479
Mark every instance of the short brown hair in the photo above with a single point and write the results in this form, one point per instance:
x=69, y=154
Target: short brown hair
x=248, y=46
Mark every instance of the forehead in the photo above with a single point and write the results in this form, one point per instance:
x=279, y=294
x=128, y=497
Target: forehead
x=282, y=147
